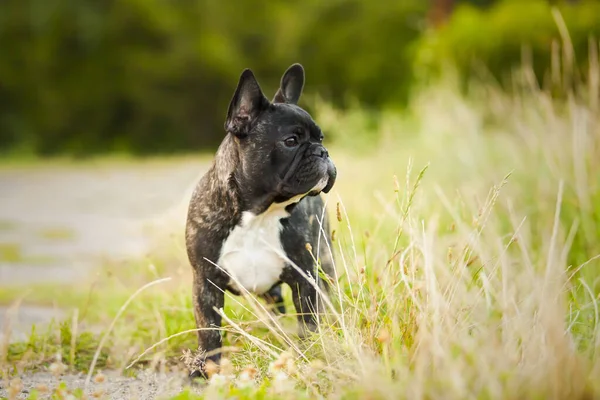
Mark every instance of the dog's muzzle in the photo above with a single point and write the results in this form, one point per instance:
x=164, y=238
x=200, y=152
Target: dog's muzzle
x=311, y=172
x=319, y=150
x=332, y=173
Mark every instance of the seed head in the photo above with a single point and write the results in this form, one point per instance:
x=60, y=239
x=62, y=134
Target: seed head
x=384, y=336
x=99, y=378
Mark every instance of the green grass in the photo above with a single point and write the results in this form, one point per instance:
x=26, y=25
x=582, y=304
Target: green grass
x=19, y=161
x=466, y=248
x=10, y=252
x=7, y=226
x=57, y=234
x=13, y=253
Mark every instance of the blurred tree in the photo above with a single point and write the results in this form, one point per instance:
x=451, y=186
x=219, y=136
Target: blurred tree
x=362, y=48
x=82, y=76
x=440, y=11
x=147, y=76
x=497, y=37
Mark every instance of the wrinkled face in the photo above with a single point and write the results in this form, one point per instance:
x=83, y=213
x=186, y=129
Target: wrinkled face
x=281, y=149
x=284, y=154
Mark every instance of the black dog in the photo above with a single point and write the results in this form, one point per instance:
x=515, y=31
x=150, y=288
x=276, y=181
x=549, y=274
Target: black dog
x=258, y=207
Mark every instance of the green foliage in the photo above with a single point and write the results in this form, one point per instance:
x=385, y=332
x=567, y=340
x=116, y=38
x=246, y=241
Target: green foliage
x=42, y=349
x=80, y=77
x=131, y=76
x=500, y=37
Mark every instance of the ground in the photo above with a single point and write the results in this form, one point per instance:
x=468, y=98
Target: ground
x=58, y=225
x=112, y=385
x=465, y=244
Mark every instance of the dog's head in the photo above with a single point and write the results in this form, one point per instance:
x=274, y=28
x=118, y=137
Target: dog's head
x=280, y=149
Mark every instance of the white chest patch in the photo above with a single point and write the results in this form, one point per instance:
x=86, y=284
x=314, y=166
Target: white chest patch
x=252, y=252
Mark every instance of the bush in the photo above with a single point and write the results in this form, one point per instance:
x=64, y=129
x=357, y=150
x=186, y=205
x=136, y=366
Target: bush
x=156, y=76
x=499, y=36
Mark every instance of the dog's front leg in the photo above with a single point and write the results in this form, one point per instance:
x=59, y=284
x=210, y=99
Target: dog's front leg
x=207, y=300
x=274, y=298
x=305, y=302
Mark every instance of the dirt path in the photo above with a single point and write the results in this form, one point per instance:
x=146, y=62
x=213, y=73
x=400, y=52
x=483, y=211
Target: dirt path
x=57, y=222
x=147, y=386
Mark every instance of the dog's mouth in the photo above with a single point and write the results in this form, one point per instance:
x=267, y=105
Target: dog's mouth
x=325, y=184
x=310, y=173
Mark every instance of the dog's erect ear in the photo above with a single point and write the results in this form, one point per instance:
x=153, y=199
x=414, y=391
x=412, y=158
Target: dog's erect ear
x=291, y=86
x=247, y=103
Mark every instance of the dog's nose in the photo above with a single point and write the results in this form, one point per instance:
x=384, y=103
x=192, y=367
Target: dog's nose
x=320, y=152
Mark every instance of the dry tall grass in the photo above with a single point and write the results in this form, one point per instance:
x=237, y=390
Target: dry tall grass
x=476, y=278
x=466, y=248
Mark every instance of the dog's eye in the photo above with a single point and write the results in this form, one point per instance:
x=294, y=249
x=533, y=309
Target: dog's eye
x=291, y=141
x=321, y=138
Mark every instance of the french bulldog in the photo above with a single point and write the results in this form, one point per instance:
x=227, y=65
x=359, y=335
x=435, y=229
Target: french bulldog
x=256, y=219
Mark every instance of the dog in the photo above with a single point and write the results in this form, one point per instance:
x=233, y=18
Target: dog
x=256, y=218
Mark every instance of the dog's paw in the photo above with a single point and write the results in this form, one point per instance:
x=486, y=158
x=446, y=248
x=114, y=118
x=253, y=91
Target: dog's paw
x=195, y=363
x=306, y=329
x=197, y=376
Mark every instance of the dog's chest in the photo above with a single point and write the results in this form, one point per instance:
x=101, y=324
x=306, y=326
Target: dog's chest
x=252, y=253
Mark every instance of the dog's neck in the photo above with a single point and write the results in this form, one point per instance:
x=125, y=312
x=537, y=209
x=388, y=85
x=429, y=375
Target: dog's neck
x=224, y=181
x=226, y=160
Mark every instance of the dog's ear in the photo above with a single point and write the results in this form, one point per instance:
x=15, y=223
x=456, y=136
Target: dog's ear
x=247, y=103
x=291, y=86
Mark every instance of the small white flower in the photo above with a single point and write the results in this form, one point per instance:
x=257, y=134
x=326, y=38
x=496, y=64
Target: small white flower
x=218, y=380
x=246, y=377
x=281, y=376
x=282, y=383
x=244, y=382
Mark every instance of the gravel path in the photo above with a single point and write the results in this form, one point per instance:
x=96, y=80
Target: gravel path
x=147, y=386
x=57, y=222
